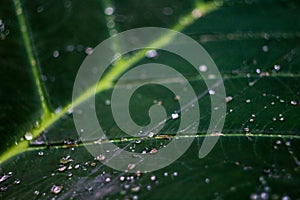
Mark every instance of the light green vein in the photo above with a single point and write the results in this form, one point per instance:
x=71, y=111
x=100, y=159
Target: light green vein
x=105, y=83
x=31, y=58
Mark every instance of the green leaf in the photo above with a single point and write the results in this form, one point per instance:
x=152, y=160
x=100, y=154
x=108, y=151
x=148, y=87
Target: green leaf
x=255, y=45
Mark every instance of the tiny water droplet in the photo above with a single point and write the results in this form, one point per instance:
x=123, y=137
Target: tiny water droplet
x=151, y=134
x=89, y=50
x=28, y=136
x=285, y=197
x=166, y=174
x=55, y=54
x=203, y=68
x=264, y=196
x=175, y=115
x=109, y=10
x=107, y=102
x=55, y=189
x=40, y=153
x=131, y=166
x=135, y=197
x=207, y=180
x=36, y=192
x=248, y=101
x=135, y=189
x=62, y=168
x=254, y=197
x=293, y=102
x=258, y=71
x=101, y=157
x=152, y=178
x=122, y=178
x=197, y=13
x=277, y=67
x=175, y=173
x=17, y=181
x=211, y=92
x=153, y=151
x=3, y=188
x=265, y=48
x=151, y=53
x=107, y=180
x=228, y=99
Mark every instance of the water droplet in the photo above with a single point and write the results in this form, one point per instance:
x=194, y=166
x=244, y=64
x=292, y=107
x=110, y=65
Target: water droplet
x=228, y=99
x=55, y=189
x=265, y=48
x=207, y=180
x=153, y=151
x=109, y=10
x=135, y=189
x=135, y=197
x=203, y=68
x=57, y=110
x=293, y=102
x=277, y=67
x=101, y=157
x=151, y=53
x=151, y=134
x=175, y=115
x=107, y=102
x=62, y=168
x=264, y=196
x=122, y=178
x=17, y=181
x=65, y=160
x=246, y=129
x=166, y=174
x=3, y=188
x=107, y=180
x=152, y=178
x=196, y=13
x=131, y=166
x=285, y=197
x=281, y=119
x=248, y=101
x=211, y=92
x=4, y=177
x=28, y=136
x=175, y=174
x=149, y=187
x=254, y=197
x=258, y=71
x=89, y=50
x=55, y=54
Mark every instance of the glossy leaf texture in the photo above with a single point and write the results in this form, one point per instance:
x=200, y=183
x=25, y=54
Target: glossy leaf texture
x=256, y=46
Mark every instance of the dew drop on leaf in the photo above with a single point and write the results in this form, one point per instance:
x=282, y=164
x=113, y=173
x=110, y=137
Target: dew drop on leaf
x=28, y=136
x=151, y=54
x=152, y=178
x=203, y=68
x=109, y=10
x=175, y=115
x=55, y=54
x=293, y=102
x=55, y=189
x=265, y=48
